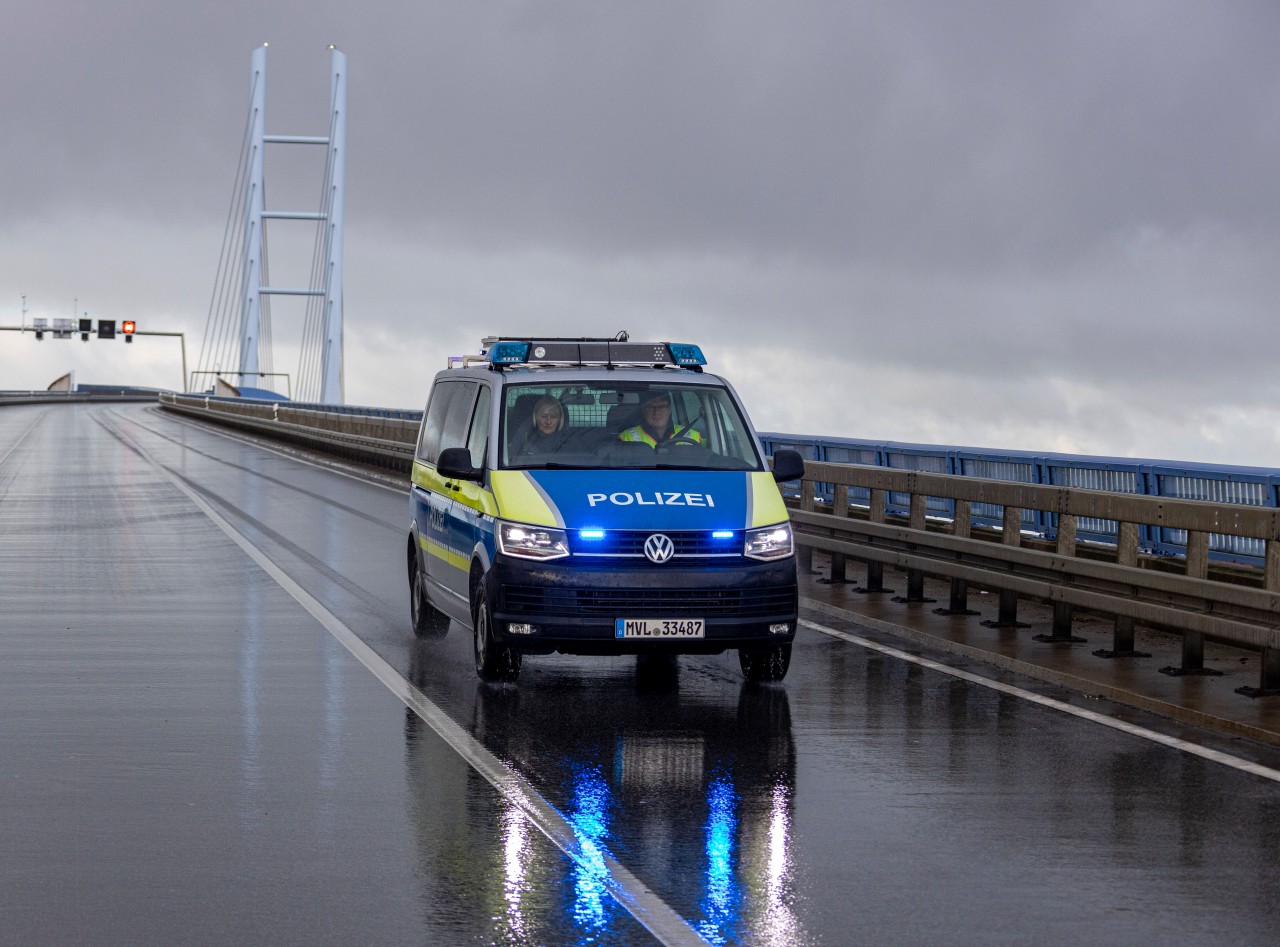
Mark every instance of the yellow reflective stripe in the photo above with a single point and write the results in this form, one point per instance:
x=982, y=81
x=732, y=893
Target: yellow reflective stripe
x=444, y=553
x=518, y=498
x=766, y=503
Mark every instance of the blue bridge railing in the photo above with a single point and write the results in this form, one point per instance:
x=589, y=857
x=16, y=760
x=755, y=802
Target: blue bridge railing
x=1249, y=486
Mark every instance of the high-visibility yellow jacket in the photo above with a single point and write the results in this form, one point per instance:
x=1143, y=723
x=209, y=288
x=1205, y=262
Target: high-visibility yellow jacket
x=640, y=435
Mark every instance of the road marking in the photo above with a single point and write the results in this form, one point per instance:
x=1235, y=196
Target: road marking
x=1217, y=756
x=22, y=437
x=632, y=895
x=367, y=477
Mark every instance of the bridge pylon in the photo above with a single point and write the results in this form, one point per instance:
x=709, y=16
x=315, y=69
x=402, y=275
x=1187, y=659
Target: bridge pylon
x=330, y=217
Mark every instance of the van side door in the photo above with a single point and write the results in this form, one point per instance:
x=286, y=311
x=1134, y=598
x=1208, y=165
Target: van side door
x=431, y=499
x=468, y=523
x=459, y=517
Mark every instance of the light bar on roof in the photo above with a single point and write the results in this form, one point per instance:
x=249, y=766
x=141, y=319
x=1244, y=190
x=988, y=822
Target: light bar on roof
x=506, y=352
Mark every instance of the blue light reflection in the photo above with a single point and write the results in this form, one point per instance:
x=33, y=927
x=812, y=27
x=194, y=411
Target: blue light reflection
x=590, y=822
x=723, y=893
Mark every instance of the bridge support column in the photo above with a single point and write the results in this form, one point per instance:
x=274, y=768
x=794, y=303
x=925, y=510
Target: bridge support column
x=1123, y=637
x=960, y=525
x=1269, y=679
x=804, y=554
x=1063, y=612
x=332, y=375
x=839, y=508
x=1122, y=641
x=1192, y=657
x=915, y=577
x=1007, y=617
x=1269, y=683
x=875, y=570
x=1193, y=641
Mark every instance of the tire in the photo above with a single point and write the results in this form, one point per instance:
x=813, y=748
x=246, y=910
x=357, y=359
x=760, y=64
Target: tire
x=428, y=621
x=494, y=662
x=768, y=663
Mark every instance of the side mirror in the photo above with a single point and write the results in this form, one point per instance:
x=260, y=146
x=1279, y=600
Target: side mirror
x=787, y=465
x=454, y=463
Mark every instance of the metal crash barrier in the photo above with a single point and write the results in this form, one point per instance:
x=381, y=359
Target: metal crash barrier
x=377, y=438
x=1068, y=574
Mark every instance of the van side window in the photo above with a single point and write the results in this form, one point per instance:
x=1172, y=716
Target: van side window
x=478, y=439
x=458, y=418
x=437, y=409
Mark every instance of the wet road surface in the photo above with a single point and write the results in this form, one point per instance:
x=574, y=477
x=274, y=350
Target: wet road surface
x=191, y=753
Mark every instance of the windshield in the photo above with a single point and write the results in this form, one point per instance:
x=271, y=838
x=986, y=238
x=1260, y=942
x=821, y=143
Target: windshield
x=624, y=425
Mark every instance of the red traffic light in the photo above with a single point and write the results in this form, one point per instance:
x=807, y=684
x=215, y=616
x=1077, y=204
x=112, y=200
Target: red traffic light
x=128, y=327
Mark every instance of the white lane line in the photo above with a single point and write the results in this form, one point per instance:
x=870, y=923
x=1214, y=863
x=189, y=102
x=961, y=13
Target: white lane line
x=1226, y=759
x=632, y=894
x=22, y=437
x=367, y=477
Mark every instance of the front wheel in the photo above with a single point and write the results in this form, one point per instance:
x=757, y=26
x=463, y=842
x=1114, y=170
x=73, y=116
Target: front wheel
x=494, y=662
x=768, y=663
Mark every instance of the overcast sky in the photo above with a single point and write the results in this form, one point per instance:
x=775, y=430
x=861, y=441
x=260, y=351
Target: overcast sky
x=1029, y=225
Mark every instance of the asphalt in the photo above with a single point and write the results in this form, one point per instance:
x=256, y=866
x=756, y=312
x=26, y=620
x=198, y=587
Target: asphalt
x=1210, y=701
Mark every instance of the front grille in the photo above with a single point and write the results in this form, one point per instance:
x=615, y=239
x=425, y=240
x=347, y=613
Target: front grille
x=540, y=602
x=689, y=544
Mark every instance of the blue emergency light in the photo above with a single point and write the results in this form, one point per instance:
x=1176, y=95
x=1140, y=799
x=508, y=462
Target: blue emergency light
x=509, y=353
x=684, y=354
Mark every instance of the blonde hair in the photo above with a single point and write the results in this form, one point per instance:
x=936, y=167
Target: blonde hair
x=546, y=401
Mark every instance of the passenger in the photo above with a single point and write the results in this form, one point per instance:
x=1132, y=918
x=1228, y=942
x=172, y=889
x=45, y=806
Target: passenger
x=655, y=427
x=546, y=430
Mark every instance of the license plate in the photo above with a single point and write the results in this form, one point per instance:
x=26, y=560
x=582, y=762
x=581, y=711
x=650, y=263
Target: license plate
x=658, y=628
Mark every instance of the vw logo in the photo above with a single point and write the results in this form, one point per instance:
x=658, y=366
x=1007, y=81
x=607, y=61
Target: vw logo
x=659, y=548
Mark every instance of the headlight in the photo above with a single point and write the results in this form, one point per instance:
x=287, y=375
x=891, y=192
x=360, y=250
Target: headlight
x=532, y=542
x=772, y=542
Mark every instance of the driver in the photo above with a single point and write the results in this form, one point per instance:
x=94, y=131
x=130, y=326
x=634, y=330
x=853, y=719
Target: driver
x=655, y=427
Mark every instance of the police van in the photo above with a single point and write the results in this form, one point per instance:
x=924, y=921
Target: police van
x=599, y=496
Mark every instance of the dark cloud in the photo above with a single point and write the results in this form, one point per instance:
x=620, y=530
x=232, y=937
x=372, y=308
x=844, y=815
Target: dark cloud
x=996, y=193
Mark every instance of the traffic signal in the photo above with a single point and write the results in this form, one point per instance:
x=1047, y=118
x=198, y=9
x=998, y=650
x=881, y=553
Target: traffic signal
x=86, y=326
x=128, y=327
x=106, y=328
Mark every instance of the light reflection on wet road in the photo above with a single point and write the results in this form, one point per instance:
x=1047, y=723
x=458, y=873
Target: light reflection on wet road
x=186, y=755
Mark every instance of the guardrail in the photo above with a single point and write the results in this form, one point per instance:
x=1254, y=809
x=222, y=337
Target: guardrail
x=368, y=436
x=98, y=393
x=1073, y=575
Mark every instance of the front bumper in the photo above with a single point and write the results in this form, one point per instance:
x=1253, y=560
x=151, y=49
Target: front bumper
x=573, y=605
